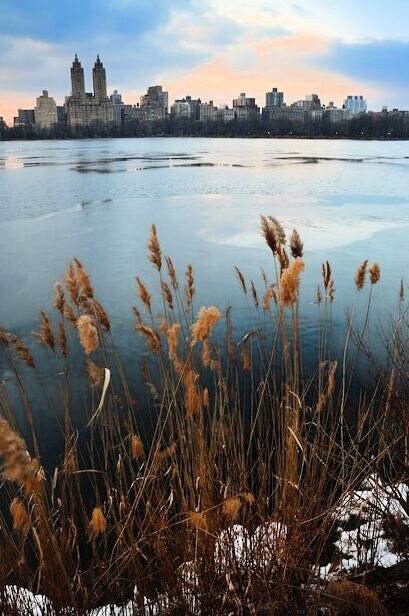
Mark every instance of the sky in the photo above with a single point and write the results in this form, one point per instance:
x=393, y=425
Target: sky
x=212, y=49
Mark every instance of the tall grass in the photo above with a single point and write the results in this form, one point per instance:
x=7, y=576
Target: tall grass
x=229, y=504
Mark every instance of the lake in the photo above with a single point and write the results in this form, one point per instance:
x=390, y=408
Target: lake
x=97, y=199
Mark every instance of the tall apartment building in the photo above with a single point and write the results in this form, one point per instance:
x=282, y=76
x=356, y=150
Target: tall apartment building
x=224, y=114
x=26, y=117
x=207, y=112
x=245, y=108
x=154, y=104
x=181, y=109
x=86, y=109
x=355, y=105
x=311, y=102
x=274, y=101
x=274, y=98
x=45, y=111
x=117, y=107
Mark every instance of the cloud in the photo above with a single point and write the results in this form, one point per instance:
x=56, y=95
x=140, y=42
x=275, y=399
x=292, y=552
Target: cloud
x=209, y=48
x=380, y=61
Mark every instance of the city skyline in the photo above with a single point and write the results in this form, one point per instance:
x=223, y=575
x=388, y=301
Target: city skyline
x=82, y=106
x=208, y=49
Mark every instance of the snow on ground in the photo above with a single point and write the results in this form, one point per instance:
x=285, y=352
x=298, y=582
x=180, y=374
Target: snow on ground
x=365, y=544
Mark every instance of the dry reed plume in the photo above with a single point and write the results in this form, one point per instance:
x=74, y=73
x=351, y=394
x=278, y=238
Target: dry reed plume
x=206, y=320
x=155, y=255
x=88, y=334
x=290, y=283
x=98, y=523
x=17, y=464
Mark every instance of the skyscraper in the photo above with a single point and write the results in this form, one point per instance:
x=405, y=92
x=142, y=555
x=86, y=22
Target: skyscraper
x=274, y=98
x=45, y=112
x=99, y=80
x=77, y=78
x=83, y=109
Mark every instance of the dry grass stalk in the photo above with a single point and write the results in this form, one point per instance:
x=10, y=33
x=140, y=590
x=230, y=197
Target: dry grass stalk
x=296, y=245
x=137, y=447
x=144, y=296
x=19, y=513
x=279, y=230
x=155, y=254
x=172, y=273
x=167, y=295
x=268, y=231
x=83, y=281
x=198, y=521
x=401, y=291
x=19, y=348
x=326, y=274
x=62, y=339
x=70, y=315
x=137, y=315
x=206, y=401
x=282, y=258
x=59, y=299
x=206, y=354
x=319, y=295
x=350, y=598
x=101, y=315
x=331, y=291
x=245, y=358
x=374, y=273
x=254, y=294
x=269, y=295
x=206, y=320
x=88, y=334
x=95, y=374
x=72, y=284
x=242, y=280
x=290, y=283
x=193, y=400
x=152, y=336
x=361, y=275
x=231, y=509
x=45, y=336
x=17, y=464
x=172, y=336
x=189, y=287
x=98, y=523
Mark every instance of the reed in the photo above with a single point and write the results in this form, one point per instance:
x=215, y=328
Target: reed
x=225, y=498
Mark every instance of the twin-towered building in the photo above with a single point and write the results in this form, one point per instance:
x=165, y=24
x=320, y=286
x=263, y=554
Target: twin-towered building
x=83, y=108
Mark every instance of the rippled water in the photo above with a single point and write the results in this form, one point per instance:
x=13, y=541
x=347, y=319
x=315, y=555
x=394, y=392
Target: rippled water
x=97, y=199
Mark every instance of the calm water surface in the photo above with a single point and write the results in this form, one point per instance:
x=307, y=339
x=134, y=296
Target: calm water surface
x=97, y=199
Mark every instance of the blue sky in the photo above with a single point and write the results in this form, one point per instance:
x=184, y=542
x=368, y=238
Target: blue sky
x=211, y=48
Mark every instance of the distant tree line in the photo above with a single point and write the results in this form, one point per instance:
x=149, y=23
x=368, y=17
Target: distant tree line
x=365, y=126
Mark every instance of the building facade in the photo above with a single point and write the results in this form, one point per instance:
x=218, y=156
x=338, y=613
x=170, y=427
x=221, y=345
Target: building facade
x=154, y=104
x=274, y=98
x=45, y=111
x=245, y=108
x=207, y=112
x=224, y=114
x=181, y=109
x=26, y=117
x=355, y=105
x=117, y=107
x=86, y=109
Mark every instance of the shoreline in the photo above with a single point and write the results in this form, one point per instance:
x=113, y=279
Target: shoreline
x=247, y=137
